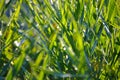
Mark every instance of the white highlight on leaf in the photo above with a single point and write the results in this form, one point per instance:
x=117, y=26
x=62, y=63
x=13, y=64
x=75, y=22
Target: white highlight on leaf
x=66, y=56
x=51, y=2
x=23, y=24
x=75, y=67
x=0, y=33
x=51, y=69
x=7, y=1
x=17, y=43
x=64, y=48
x=37, y=25
x=70, y=49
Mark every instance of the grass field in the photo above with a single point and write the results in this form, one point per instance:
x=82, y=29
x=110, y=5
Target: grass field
x=59, y=39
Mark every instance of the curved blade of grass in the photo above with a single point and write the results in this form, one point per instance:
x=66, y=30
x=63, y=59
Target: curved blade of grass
x=41, y=75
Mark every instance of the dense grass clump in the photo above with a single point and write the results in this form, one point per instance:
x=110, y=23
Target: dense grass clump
x=59, y=39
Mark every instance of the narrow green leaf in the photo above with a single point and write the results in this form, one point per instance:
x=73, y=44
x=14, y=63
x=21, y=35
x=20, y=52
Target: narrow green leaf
x=41, y=75
x=111, y=10
x=1, y=5
x=10, y=75
x=16, y=14
x=18, y=62
x=39, y=59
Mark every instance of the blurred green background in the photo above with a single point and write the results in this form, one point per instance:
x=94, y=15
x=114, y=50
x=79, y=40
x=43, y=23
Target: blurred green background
x=59, y=39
